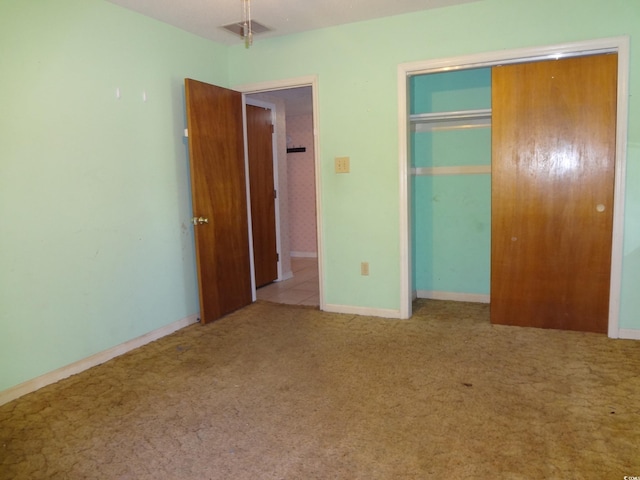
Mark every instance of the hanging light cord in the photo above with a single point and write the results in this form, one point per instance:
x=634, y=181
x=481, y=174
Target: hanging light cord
x=247, y=31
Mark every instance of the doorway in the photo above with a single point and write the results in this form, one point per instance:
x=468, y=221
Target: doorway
x=297, y=184
x=619, y=45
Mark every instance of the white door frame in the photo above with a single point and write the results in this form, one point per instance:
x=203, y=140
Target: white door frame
x=619, y=45
x=308, y=81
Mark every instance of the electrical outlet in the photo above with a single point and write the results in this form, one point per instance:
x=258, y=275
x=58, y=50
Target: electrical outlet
x=364, y=268
x=342, y=164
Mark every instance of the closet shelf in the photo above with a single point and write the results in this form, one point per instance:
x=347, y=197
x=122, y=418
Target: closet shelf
x=454, y=170
x=421, y=122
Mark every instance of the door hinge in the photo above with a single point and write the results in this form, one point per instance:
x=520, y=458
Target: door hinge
x=273, y=128
x=277, y=257
x=275, y=194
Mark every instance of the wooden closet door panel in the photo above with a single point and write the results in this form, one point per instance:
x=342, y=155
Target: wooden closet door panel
x=553, y=153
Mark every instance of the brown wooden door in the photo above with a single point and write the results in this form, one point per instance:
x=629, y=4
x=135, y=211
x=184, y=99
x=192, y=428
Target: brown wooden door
x=263, y=203
x=553, y=134
x=218, y=186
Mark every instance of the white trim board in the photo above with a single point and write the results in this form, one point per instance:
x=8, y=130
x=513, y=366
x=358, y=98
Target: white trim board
x=304, y=254
x=455, y=296
x=365, y=311
x=312, y=81
x=86, y=363
x=285, y=276
x=620, y=45
x=247, y=192
x=462, y=170
x=629, y=334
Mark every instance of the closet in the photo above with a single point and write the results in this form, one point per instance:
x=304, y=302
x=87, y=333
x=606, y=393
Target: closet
x=450, y=151
x=512, y=189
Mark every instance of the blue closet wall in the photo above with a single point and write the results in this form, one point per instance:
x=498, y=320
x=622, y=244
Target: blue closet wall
x=451, y=213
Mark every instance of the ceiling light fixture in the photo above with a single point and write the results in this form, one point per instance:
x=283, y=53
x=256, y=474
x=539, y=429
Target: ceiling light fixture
x=246, y=27
x=247, y=30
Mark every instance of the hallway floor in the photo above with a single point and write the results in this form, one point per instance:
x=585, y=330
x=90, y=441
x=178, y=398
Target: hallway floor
x=302, y=289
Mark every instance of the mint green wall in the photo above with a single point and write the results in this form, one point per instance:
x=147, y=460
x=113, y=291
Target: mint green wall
x=356, y=66
x=94, y=201
x=451, y=214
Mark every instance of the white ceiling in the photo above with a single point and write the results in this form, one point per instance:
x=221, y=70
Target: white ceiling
x=206, y=17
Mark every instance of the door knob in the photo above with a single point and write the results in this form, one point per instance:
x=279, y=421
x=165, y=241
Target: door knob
x=199, y=220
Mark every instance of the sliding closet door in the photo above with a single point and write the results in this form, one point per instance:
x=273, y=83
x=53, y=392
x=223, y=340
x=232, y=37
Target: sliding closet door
x=553, y=152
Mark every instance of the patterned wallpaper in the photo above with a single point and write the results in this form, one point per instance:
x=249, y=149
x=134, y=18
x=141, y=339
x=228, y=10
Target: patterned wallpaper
x=302, y=192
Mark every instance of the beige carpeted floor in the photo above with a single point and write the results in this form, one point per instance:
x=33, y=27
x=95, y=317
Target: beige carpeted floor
x=282, y=392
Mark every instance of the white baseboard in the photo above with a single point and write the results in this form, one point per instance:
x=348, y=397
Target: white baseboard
x=623, y=333
x=455, y=296
x=629, y=334
x=366, y=311
x=304, y=254
x=285, y=276
x=56, y=375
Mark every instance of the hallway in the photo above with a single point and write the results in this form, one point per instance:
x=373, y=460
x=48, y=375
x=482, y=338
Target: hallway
x=302, y=289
